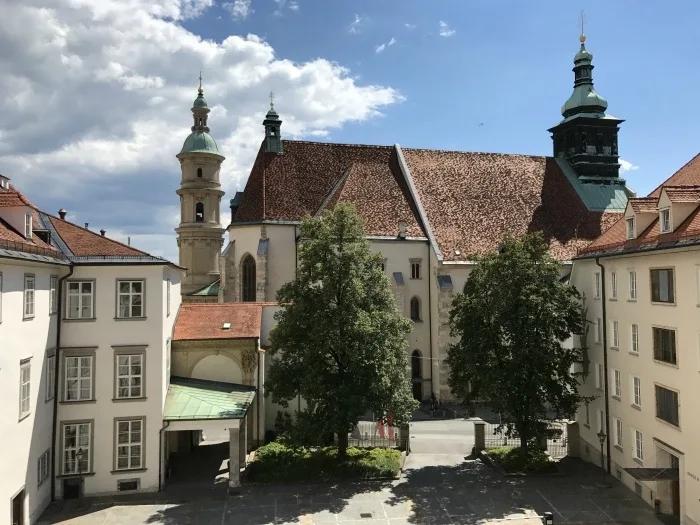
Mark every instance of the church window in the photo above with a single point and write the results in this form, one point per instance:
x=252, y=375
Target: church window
x=248, y=279
x=415, y=269
x=199, y=173
x=199, y=212
x=416, y=372
x=415, y=309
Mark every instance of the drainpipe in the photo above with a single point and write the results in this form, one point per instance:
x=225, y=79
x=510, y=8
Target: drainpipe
x=161, y=459
x=260, y=437
x=54, y=430
x=430, y=327
x=605, y=359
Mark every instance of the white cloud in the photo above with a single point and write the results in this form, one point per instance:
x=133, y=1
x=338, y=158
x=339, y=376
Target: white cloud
x=382, y=47
x=239, y=9
x=289, y=4
x=445, y=30
x=626, y=165
x=98, y=98
x=410, y=27
x=355, y=24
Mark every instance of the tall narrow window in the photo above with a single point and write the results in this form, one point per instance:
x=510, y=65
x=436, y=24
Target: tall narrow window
x=618, y=432
x=130, y=299
x=617, y=384
x=599, y=330
x=80, y=300
x=129, y=376
x=29, y=286
x=248, y=279
x=199, y=212
x=636, y=392
x=599, y=376
x=635, y=339
x=613, y=285
x=129, y=444
x=633, y=285
x=638, y=445
x=28, y=226
x=597, y=285
x=415, y=309
x=50, y=374
x=53, y=295
x=662, y=287
x=416, y=372
x=665, y=220
x=77, y=378
x=167, y=298
x=615, y=334
x=42, y=468
x=76, y=439
x=199, y=173
x=25, y=388
x=601, y=420
x=630, y=228
x=415, y=269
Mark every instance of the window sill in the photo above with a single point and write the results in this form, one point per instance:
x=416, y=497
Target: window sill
x=76, y=475
x=630, y=300
x=24, y=416
x=28, y=318
x=617, y=348
x=661, y=303
x=79, y=319
x=636, y=407
x=638, y=461
x=127, y=399
x=78, y=402
x=668, y=424
x=665, y=363
x=49, y=400
x=633, y=353
x=128, y=470
x=587, y=426
x=618, y=447
x=617, y=398
x=130, y=318
x=417, y=320
x=613, y=299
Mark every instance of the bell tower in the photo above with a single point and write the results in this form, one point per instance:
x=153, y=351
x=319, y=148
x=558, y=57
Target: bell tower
x=273, y=129
x=200, y=235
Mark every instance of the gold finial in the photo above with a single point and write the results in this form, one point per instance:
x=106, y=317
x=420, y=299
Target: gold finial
x=200, y=90
x=272, y=100
x=582, y=22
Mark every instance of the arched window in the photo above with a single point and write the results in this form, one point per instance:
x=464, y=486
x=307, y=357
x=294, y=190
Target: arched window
x=199, y=173
x=415, y=309
x=248, y=278
x=416, y=372
x=199, y=212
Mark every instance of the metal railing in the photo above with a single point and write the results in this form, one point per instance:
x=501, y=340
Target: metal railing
x=28, y=248
x=557, y=442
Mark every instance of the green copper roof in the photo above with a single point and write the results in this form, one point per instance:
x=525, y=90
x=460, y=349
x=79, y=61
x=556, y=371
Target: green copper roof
x=209, y=290
x=597, y=196
x=584, y=96
x=200, y=101
x=200, y=142
x=197, y=399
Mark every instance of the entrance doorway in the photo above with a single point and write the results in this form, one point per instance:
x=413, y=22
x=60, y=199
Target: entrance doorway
x=18, y=509
x=675, y=489
x=417, y=375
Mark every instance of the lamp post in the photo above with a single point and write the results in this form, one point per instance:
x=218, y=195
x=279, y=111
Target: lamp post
x=601, y=439
x=79, y=458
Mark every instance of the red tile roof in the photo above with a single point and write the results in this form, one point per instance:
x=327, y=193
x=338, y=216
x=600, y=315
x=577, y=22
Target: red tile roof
x=197, y=321
x=11, y=239
x=683, y=193
x=644, y=204
x=615, y=239
x=84, y=243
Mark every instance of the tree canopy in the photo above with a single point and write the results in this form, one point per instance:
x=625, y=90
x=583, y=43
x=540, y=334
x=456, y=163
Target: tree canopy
x=339, y=342
x=511, y=324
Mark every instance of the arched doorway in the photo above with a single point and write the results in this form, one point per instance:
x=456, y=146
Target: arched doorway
x=417, y=375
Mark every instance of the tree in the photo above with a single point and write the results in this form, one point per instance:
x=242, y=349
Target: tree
x=339, y=343
x=511, y=323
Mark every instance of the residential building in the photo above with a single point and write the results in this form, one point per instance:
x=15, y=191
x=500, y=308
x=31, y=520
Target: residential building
x=647, y=363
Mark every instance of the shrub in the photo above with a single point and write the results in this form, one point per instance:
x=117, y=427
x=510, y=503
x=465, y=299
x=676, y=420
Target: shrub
x=516, y=460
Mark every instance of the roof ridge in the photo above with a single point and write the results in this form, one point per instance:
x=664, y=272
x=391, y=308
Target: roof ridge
x=344, y=144
x=674, y=174
x=527, y=155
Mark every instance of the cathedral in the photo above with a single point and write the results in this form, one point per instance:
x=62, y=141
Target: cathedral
x=425, y=211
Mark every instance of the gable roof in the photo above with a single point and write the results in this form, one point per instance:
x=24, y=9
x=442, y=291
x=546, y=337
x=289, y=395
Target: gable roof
x=197, y=321
x=468, y=201
x=644, y=204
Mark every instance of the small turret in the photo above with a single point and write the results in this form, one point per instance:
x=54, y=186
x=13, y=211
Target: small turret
x=273, y=130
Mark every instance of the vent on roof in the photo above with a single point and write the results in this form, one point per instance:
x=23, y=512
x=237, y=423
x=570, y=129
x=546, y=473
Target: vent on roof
x=4, y=182
x=86, y=225
x=103, y=232
x=402, y=229
x=62, y=214
x=227, y=326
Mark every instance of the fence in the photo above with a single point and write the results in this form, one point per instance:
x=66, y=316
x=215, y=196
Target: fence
x=556, y=440
x=374, y=434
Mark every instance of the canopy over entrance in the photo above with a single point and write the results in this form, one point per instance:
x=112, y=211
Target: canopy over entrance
x=654, y=474
x=197, y=399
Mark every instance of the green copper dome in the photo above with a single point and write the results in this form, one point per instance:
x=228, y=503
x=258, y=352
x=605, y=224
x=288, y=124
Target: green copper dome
x=584, y=99
x=200, y=142
x=200, y=101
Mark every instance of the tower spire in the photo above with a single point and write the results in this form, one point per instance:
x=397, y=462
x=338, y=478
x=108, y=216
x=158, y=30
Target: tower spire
x=582, y=22
x=273, y=129
x=200, y=90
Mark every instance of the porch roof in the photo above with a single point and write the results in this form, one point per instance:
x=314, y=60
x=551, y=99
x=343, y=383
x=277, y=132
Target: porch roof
x=198, y=399
x=653, y=474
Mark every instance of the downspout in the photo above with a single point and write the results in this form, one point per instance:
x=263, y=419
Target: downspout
x=430, y=327
x=54, y=430
x=260, y=437
x=161, y=460
x=605, y=360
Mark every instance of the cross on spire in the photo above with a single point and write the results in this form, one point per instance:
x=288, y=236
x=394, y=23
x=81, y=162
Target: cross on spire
x=272, y=100
x=200, y=90
x=582, y=22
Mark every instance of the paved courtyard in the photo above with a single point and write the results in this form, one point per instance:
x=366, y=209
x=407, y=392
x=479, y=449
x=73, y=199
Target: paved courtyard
x=439, y=487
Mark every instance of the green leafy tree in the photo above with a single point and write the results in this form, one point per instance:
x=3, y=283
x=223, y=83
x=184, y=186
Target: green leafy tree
x=339, y=343
x=510, y=324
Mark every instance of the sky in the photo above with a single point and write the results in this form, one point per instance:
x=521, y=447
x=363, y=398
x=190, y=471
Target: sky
x=96, y=93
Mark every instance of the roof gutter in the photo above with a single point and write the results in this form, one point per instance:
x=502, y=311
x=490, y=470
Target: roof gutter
x=606, y=393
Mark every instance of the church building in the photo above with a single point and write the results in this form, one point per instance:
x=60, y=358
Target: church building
x=426, y=211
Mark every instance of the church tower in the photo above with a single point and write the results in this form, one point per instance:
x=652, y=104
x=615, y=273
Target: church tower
x=273, y=130
x=200, y=235
x=587, y=136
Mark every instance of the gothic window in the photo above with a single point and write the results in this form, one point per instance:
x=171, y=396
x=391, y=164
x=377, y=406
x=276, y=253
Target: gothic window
x=199, y=173
x=248, y=278
x=415, y=309
x=199, y=212
x=416, y=372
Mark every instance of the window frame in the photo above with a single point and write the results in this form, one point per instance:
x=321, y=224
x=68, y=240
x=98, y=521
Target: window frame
x=659, y=357
x=25, y=365
x=53, y=294
x=50, y=374
x=167, y=298
x=597, y=288
x=617, y=383
x=631, y=232
x=659, y=409
x=416, y=266
x=599, y=376
x=86, y=448
x=615, y=325
x=665, y=225
x=129, y=445
x=671, y=290
x=634, y=338
x=120, y=352
x=613, y=286
x=43, y=464
x=601, y=420
x=80, y=295
x=249, y=279
x=29, y=293
x=599, y=330
x=636, y=390
x=619, y=441
x=415, y=300
x=130, y=294
x=27, y=225
x=638, y=440
x=632, y=285
x=90, y=354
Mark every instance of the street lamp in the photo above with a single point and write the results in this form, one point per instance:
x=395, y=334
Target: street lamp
x=601, y=438
x=79, y=458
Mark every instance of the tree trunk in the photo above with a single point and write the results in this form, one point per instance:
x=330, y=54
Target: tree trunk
x=522, y=433
x=342, y=444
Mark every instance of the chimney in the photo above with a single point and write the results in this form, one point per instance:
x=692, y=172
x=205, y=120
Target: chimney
x=86, y=225
x=102, y=232
x=62, y=214
x=128, y=241
x=402, y=229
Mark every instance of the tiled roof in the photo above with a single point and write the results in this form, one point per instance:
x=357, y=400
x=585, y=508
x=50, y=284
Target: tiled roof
x=206, y=321
x=12, y=239
x=83, y=242
x=644, y=204
x=471, y=200
x=683, y=193
x=615, y=239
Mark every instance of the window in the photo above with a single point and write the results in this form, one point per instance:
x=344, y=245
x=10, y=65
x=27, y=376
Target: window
x=50, y=374
x=633, y=285
x=248, y=279
x=199, y=212
x=127, y=484
x=665, y=345
x=42, y=468
x=129, y=444
x=415, y=309
x=638, y=445
x=416, y=368
x=597, y=285
x=199, y=173
x=53, y=295
x=80, y=300
x=667, y=405
x=130, y=299
x=601, y=420
x=618, y=432
x=631, y=234
x=599, y=330
x=588, y=414
x=613, y=285
x=78, y=378
x=599, y=376
x=76, y=438
x=129, y=376
x=617, y=383
x=665, y=220
x=634, y=341
x=615, y=334
x=415, y=269
x=168, y=357
x=167, y=298
x=28, y=225
x=636, y=392
x=662, y=286
x=29, y=288
x=25, y=388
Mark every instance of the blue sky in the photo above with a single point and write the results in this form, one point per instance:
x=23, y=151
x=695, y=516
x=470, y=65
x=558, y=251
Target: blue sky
x=98, y=93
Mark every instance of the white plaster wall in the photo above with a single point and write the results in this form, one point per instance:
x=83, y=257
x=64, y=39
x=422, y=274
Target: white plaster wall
x=15, y=217
x=683, y=317
x=218, y=368
x=281, y=258
x=26, y=440
x=105, y=332
x=175, y=275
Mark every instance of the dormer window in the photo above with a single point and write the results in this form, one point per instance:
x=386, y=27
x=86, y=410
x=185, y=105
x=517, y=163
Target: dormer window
x=630, y=228
x=665, y=220
x=28, y=225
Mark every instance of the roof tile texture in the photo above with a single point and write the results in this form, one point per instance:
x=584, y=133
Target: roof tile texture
x=206, y=321
x=83, y=242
